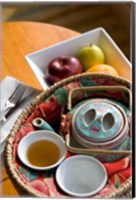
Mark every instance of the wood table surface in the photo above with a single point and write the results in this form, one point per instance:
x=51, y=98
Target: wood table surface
x=19, y=39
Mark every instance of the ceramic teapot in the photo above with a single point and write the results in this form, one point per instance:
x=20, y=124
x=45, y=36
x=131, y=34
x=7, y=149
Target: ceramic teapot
x=98, y=126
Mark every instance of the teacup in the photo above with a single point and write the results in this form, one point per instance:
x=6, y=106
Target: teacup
x=42, y=150
x=81, y=176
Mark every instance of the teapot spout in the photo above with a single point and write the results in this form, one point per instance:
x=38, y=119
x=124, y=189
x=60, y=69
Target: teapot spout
x=42, y=124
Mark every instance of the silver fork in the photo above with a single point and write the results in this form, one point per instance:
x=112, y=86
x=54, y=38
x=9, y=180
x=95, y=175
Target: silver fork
x=13, y=100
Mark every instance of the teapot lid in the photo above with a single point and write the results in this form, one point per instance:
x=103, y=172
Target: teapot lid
x=98, y=121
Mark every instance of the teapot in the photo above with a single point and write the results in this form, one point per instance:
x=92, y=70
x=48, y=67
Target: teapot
x=98, y=126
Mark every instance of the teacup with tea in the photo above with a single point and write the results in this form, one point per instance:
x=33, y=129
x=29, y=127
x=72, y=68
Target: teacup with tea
x=42, y=150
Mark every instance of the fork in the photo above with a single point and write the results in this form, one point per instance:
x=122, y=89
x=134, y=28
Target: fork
x=13, y=100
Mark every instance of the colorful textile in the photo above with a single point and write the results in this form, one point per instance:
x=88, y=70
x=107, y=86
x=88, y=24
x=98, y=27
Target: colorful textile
x=51, y=110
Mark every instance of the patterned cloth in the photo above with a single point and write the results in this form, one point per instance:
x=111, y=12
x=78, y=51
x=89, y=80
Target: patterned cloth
x=51, y=110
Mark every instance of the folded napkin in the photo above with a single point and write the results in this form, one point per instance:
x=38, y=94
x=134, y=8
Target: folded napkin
x=8, y=85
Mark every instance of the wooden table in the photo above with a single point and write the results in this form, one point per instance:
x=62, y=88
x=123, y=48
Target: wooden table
x=19, y=39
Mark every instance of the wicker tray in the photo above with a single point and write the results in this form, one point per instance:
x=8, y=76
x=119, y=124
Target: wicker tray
x=123, y=190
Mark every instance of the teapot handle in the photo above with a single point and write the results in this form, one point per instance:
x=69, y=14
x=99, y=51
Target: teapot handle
x=65, y=124
x=83, y=92
x=94, y=151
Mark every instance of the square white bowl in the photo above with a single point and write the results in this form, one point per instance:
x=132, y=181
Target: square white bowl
x=39, y=60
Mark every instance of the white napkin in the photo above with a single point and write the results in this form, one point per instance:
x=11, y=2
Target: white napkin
x=8, y=85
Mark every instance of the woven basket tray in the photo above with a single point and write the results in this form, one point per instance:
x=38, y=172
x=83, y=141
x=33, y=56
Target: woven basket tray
x=123, y=190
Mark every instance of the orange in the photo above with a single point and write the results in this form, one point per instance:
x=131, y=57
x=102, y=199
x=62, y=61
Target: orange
x=103, y=68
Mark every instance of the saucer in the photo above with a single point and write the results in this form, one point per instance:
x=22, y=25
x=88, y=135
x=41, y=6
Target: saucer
x=81, y=176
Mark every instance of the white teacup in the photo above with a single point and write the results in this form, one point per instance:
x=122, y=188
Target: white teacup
x=81, y=176
x=44, y=136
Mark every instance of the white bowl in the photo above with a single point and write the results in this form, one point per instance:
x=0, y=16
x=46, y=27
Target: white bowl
x=81, y=176
x=39, y=60
x=37, y=136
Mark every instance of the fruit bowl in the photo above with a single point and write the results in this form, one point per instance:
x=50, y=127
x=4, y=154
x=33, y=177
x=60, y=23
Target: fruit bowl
x=39, y=60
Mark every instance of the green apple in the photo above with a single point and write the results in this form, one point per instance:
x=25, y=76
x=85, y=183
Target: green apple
x=91, y=55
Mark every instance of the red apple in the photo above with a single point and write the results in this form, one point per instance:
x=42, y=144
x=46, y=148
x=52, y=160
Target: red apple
x=62, y=67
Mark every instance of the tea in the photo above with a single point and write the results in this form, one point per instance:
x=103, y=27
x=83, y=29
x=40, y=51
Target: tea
x=43, y=153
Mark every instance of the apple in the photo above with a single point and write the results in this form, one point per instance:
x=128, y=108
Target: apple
x=91, y=55
x=62, y=67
